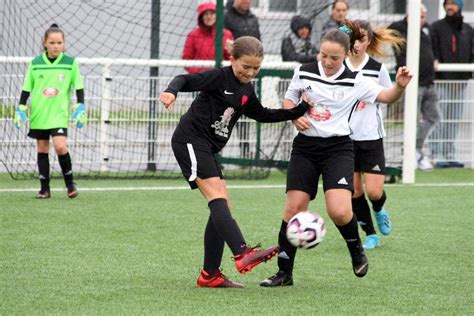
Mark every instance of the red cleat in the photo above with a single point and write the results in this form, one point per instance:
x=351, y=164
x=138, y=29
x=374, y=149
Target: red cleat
x=253, y=256
x=216, y=279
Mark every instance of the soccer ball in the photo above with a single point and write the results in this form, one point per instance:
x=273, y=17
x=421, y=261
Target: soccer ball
x=305, y=230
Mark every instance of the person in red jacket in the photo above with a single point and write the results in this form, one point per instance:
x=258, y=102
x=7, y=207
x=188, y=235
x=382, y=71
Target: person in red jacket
x=200, y=41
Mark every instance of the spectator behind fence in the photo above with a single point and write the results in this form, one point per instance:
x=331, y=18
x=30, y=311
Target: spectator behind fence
x=428, y=105
x=240, y=20
x=297, y=45
x=338, y=15
x=452, y=41
x=200, y=41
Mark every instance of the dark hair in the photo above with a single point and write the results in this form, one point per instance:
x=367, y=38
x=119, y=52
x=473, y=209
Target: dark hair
x=247, y=45
x=346, y=39
x=343, y=1
x=379, y=37
x=54, y=28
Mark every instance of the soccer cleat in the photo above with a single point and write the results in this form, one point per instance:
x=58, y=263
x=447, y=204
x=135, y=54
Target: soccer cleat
x=360, y=262
x=251, y=257
x=280, y=279
x=425, y=165
x=216, y=279
x=43, y=194
x=383, y=222
x=72, y=191
x=371, y=241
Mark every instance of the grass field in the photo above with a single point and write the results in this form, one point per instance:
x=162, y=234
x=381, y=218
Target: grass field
x=135, y=247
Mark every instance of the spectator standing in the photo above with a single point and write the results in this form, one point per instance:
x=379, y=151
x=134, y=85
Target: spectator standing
x=452, y=42
x=339, y=12
x=242, y=22
x=428, y=105
x=297, y=46
x=200, y=41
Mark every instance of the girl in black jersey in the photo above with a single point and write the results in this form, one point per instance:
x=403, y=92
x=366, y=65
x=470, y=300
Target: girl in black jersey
x=368, y=132
x=226, y=94
x=323, y=146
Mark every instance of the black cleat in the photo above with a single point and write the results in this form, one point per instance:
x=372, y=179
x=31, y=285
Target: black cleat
x=72, y=191
x=280, y=279
x=360, y=262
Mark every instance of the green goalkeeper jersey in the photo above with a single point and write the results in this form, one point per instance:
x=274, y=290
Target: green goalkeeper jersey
x=50, y=85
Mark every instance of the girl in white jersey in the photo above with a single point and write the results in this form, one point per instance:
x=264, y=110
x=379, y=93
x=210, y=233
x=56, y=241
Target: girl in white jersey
x=323, y=146
x=367, y=133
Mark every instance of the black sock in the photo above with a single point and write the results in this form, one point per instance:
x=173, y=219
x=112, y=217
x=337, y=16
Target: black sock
x=226, y=226
x=287, y=253
x=213, y=248
x=66, y=168
x=362, y=211
x=43, y=168
x=378, y=204
x=350, y=233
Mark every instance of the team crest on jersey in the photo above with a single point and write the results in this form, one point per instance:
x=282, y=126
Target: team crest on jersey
x=61, y=77
x=360, y=106
x=320, y=113
x=338, y=94
x=50, y=92
x=221, y=127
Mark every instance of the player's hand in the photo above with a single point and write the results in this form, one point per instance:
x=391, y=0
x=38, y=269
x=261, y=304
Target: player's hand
x=403, y=77
x=301, y=123
x=79, y=116
x=20, y=115
x=167, y=99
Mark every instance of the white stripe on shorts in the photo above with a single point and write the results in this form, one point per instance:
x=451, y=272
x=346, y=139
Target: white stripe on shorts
x=193, y=162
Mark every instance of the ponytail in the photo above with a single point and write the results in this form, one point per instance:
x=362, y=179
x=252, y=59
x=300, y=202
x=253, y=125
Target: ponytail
x=346, y=35
x=380, y=37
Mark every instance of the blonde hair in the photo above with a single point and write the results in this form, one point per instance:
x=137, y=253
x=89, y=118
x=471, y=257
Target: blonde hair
x=379, y=37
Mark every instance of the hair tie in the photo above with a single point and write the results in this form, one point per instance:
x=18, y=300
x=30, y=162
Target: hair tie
x=346, y=29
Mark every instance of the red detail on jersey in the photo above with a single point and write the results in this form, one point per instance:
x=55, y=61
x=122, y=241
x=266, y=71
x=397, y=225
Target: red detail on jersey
x=319, y=113
x=244, y=99
x=360, y=106
x=50, y=92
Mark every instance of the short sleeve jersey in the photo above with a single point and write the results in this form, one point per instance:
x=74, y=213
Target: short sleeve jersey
x=50, y=85
x=367, y=121
x=334, y=97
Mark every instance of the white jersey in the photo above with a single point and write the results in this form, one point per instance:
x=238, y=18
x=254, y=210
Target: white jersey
x=367, y=122
x=334, y=97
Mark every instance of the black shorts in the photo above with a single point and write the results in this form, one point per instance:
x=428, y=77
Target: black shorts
x=44, y=134
x=369, y=156
x=332, y=157
x=195, y=162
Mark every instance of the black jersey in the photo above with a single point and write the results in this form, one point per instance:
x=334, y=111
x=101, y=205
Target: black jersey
x=223, y=99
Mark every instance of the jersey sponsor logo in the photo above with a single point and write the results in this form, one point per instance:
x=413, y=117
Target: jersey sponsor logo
x=221, y=127
x=361, y=106
x=320, y=113
x=376, y=168
x=338, y=94
x=50, y=92
x=227, y=92
x=342, y=181
x=244, y=100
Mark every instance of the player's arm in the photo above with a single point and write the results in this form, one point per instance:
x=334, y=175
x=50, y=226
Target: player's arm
x=20, y=114
x=392, y=94
x=300, y=123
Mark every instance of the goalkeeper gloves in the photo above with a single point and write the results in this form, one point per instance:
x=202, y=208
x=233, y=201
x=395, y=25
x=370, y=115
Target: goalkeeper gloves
x=79, y=116
x=20, y=115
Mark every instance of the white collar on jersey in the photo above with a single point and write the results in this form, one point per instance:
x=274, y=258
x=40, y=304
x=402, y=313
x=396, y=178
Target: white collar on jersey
x=352, y=68
x=333, y=77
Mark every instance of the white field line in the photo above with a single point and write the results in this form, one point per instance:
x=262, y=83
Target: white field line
x=232, y=187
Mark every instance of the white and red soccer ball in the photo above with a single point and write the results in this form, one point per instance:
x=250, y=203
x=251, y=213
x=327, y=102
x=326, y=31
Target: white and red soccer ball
x=306, y=230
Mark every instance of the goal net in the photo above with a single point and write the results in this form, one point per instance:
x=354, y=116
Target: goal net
x=128, y=51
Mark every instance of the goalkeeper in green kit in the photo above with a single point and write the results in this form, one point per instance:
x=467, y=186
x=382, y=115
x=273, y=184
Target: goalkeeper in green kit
x=50, y=79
